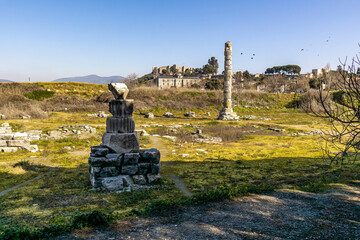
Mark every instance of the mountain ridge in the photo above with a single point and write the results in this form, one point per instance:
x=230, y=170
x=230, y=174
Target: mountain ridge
x=5, y=80
x=91, y=79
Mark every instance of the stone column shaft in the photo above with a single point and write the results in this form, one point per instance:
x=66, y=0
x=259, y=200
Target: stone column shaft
x=228, y=75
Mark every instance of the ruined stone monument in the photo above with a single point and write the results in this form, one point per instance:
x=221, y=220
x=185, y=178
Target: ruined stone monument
x=227, y=112
x=118, y=164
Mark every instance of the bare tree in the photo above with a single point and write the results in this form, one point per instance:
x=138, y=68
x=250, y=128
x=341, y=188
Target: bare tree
x=131, y=80
x=342, y=109
x=273, y=83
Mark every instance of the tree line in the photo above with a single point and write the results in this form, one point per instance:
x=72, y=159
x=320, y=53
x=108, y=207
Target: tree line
x=288, y=69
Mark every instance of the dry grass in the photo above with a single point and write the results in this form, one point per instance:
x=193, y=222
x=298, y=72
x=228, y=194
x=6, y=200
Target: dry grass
x=177, y=99
x=229, y=133
x=13, y=104
x=7, y=89
x=72, y=103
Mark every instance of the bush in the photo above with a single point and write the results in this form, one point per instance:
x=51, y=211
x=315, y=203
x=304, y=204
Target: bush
x=213, y=84
x=39, y=95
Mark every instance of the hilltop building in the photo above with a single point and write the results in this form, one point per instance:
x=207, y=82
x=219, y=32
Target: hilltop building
x=176, y=81
x=318, y=72
x=171, y=70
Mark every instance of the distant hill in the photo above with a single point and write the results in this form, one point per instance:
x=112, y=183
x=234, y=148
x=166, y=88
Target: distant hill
x=92, y=79
x=4, y=80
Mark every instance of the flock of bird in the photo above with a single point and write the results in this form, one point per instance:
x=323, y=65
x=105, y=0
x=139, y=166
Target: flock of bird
x=302, y=50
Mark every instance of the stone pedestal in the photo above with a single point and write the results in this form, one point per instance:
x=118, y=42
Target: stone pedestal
x=118, y=164
x=227, y=114
x=121, y=142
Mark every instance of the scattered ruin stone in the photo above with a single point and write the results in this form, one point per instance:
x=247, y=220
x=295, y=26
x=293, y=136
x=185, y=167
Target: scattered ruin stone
x=149, y=115
x=208, y=114
x=190, y=114
x=169, y=115
x=207, y=139
x=2, y=116
x=277, y=130
x=252, y=117
x=14, y=141
x=201, y=150
x=144, y=133
x=66, y=131
x=118, y=164
x=26, y=117
x=314, y=132
x=101, y=114
x=227, y=112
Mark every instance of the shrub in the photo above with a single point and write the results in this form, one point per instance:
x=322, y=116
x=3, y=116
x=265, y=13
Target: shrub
x=213, y=84
x=39, y=95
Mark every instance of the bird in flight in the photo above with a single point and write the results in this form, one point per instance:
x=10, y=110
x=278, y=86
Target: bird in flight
x=302, y=49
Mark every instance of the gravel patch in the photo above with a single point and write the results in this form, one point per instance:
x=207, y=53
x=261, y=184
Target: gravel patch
x=283, y=214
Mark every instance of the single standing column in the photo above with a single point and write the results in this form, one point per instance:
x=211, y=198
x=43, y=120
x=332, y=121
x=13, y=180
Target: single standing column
x=227, y=112
x=228, y=75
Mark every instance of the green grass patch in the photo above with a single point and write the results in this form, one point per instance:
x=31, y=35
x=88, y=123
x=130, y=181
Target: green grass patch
x=39, y=95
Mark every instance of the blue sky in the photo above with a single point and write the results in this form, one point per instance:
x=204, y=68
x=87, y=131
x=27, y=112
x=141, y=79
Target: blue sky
x=49, y=39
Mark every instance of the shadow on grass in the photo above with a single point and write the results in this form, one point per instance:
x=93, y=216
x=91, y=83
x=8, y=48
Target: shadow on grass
x=308, y=174
x=61, y=191
x=278, y=215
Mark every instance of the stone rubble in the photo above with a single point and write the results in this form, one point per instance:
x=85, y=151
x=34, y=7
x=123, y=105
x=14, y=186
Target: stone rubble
x=65, y=131
x=314, y=132
x=169, y=115
x=14, y=141
x=101, y=114
x=276, y=130
x=190, y=114
x=252, y=117
x=149, y=115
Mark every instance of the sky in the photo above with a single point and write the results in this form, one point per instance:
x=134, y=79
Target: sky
x=50, y=39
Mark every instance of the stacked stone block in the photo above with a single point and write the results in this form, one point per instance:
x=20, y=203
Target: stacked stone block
x=107, y=168
x=14, y=141
x=118, y=164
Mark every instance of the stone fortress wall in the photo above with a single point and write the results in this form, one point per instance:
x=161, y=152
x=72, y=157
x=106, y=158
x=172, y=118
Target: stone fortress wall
x=181, y=69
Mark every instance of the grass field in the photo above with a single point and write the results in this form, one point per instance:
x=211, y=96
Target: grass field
x=247, y=158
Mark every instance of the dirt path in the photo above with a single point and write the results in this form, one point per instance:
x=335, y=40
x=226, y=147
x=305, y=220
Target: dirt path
x=279, y=215
x=165, y=151
x=20, y=185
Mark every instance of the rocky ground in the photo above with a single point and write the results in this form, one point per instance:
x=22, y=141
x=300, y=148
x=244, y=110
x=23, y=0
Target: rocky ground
x=279, y=215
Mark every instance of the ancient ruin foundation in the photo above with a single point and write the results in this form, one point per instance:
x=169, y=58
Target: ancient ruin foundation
x=226, y=112
x=118, y=164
